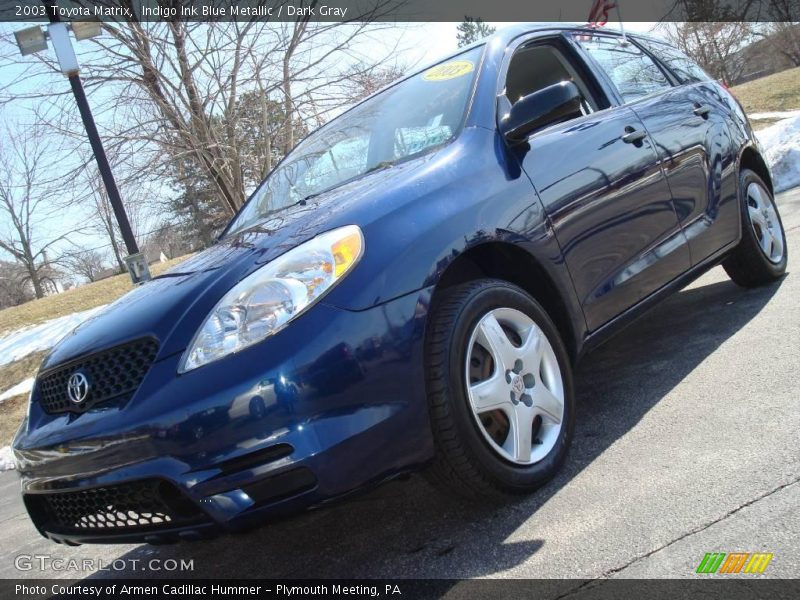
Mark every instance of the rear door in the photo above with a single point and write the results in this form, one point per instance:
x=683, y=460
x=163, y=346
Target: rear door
x=691, y=130
x=602, y=186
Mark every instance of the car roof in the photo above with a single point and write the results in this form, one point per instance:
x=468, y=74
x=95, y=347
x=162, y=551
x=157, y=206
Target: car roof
x=507, y=34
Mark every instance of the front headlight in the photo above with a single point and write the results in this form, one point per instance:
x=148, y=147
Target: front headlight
x=266, y=300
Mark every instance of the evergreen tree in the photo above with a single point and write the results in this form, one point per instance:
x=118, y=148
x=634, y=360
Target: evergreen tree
x=472, y=30
x=259, y=133
x=199, y=214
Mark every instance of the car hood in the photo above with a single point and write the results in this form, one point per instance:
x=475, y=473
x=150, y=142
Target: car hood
x=172, y=306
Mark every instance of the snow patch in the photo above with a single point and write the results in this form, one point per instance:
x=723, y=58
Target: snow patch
x=18, y=344
x=776, y=114
x=6, y=459
x=21, y=388
x=781, y=145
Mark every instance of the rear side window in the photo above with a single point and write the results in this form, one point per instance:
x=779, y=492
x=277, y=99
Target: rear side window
x=632, y=72
x=683, y=67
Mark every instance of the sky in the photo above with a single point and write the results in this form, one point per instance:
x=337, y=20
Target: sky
x=425, y=42
x=419, y=44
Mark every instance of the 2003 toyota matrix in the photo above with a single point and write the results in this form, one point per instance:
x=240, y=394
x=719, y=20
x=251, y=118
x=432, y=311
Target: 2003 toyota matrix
x=410, y=287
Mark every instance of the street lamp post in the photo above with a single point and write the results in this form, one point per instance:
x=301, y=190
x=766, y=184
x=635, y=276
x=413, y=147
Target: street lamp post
x=30, y=40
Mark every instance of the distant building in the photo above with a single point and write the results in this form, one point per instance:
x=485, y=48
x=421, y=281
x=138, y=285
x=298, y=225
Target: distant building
x=760, y=59
x=16, y=286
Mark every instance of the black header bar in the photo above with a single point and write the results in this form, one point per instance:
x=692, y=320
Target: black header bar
x=401, y=10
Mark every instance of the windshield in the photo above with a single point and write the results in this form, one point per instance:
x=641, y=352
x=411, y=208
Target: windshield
x=408, y=119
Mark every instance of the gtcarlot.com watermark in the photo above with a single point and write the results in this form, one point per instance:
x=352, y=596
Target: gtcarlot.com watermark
x=47, y=562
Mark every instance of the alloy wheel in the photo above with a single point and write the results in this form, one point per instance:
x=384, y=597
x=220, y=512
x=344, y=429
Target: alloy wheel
x=765, y=223
x=514, y=386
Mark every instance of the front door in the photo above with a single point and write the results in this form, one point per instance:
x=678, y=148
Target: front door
x=603, y=189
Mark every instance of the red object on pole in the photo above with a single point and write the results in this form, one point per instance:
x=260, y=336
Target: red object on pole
x=598, y=14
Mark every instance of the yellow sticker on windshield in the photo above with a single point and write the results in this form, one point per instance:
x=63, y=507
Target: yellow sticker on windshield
x=448, y=70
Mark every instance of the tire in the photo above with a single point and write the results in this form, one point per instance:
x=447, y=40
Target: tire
x=473, y=457
x=751, y=264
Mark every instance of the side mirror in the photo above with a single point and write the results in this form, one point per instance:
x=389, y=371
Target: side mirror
x=553, y=104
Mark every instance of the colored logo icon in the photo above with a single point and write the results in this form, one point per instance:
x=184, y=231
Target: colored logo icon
x=734, y=562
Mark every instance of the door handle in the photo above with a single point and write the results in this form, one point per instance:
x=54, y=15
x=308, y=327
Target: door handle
x=634, y=136
x=702, y=110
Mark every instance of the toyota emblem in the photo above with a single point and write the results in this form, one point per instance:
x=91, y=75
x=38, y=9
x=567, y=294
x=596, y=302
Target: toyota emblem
x=78, y=387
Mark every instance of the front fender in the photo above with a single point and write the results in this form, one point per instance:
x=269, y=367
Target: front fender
x=473, y=193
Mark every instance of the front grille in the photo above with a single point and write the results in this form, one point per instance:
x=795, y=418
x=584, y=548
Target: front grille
x=111, y=374
x=146, y=504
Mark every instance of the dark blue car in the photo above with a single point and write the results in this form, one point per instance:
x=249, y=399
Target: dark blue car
x=410, y=287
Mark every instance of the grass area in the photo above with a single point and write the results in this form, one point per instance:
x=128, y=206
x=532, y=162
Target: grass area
x=82, y=298
x=18, y=371
x=760, y=124
x=780, y=91
x=13, y=409
x=75, y=300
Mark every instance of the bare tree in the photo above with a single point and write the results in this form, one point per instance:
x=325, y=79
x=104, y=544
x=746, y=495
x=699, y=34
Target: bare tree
x=714, y=46
x=723, y=10
x=784, y=30
x=105, y=223
x=102, y=220
x=89, y=264
x=783, y=38
x=366, y=80
x=26, y=186
x=165, y=240
x=13, y=288
x=177, y=85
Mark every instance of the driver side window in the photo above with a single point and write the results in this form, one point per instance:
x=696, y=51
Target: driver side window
x=536, y=67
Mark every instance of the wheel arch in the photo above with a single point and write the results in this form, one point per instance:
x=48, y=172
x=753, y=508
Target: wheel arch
x=511, y=263
x=751, y=159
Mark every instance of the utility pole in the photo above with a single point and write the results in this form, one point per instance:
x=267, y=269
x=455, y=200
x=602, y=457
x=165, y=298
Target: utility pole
x=59, y=35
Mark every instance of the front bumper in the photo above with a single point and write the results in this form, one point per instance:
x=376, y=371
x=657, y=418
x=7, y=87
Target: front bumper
x=332, y=403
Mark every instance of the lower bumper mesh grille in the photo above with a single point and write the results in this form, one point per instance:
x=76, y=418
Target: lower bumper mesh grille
x=147, y=504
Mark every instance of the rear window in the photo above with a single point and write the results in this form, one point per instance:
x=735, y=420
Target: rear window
x=633, y=72
x=683, y=67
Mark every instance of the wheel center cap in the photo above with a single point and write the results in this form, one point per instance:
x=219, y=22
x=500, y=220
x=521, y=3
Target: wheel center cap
x=517, y=384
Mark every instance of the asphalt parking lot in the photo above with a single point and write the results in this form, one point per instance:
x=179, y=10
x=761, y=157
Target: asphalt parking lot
x=686, y=443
